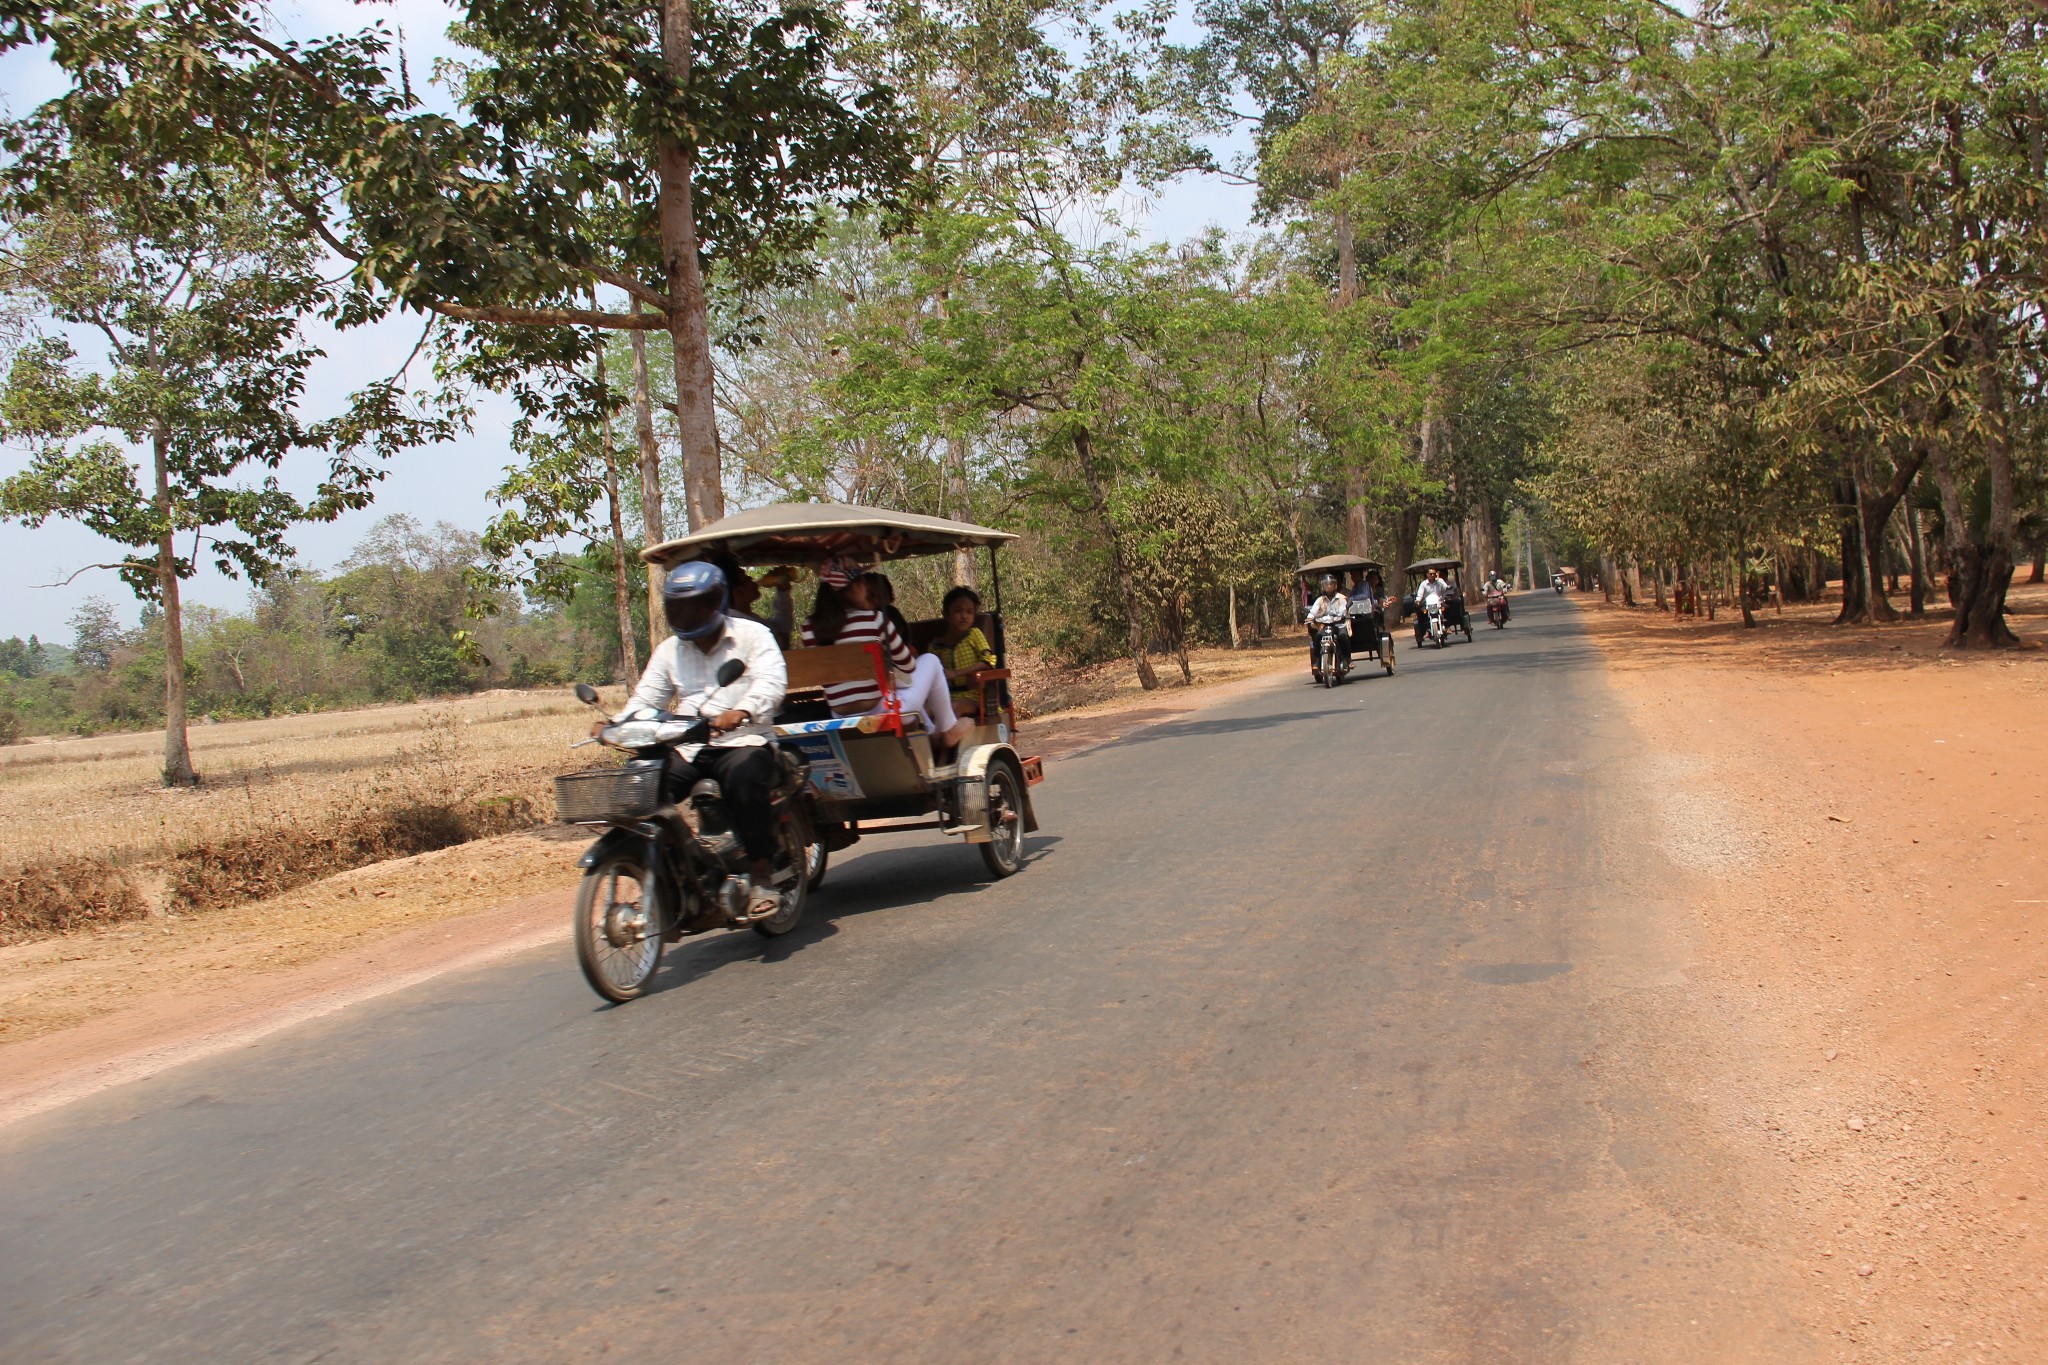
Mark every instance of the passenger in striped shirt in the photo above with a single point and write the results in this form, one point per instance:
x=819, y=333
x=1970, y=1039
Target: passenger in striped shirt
x=845, y=615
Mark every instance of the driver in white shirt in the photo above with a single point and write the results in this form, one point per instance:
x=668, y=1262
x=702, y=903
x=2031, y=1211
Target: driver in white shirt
x=741, y=755
x=1433, y=588
x=1331, y=607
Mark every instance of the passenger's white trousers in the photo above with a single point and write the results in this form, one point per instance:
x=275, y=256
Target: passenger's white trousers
x=928, y=693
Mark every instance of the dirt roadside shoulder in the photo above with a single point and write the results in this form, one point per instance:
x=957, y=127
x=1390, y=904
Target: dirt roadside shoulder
x=1859, y=812
x=84, y=1012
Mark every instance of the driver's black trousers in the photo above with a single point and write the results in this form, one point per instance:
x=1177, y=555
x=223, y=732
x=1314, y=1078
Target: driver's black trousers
x=747, y=775
x=1315, y=646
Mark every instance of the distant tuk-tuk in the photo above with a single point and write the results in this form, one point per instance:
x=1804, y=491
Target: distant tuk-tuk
x=1369, y=637
x=877, y=773
x=1455, y=616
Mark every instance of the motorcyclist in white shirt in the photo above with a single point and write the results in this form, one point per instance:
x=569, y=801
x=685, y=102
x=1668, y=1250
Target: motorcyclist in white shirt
x=1331, y=607
x=1433, y=587
x=741, y=755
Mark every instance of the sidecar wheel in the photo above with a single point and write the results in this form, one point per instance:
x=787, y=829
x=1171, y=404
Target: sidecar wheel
x=1004, y=852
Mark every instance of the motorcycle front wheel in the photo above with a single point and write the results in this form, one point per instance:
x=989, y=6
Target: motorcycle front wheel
x=618, y=936
x=1329, y=665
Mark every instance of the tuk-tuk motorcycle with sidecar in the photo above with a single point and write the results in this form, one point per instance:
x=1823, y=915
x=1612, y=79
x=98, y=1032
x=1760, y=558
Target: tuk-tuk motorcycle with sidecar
x=850, y=775
x=1369, y=637
x=1437, y=629
x=878, y=774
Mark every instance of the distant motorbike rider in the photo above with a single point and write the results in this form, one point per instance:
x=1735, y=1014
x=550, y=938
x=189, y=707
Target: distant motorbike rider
x=740, y=756
x=1497, y=593
x=1331, y=608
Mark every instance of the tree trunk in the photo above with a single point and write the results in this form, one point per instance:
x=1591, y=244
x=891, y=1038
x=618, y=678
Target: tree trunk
x=1916, y=556
x=651, y=517
x=956, y=491
x=1119, y=562
x=2039, y=573
x=1874, y=508
x=1607, y=577
x=1407, y=530
x=688, y=328
x=1632, y=585
x=1875, y=512
x=1848, y=525
x=1177, y=615
x=1657, y=583
x=622, y=586
x=178, y=770
x=1357, y=531
x=1236, y=640
x=1988, y=565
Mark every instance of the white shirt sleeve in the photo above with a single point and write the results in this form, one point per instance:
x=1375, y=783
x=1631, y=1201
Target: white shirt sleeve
x=657, y=686
x=767, y=675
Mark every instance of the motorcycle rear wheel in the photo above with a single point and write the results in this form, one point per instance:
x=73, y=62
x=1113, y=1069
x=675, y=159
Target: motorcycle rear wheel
x=792, y=910
x=1387, y=654
x=618, y=936
x=799, y=866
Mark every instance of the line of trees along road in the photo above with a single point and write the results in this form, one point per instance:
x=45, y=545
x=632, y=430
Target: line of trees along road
x=382, y=627
x=1704, y=295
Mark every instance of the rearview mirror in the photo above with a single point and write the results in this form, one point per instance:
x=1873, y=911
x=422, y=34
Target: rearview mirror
x=587, y=694
x=729, y=672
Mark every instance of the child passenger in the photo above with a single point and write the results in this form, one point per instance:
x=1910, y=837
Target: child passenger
x=963, y=649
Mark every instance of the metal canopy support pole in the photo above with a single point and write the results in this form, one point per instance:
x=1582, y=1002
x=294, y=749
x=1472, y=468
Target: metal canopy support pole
x=1001, y=642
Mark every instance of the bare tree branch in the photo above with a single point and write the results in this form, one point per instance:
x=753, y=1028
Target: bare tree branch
x=67, y=579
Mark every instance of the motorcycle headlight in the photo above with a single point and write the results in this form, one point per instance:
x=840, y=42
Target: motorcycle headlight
x=634, y=734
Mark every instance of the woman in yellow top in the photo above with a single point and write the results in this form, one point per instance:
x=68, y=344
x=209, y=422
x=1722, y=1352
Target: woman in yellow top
x=963, y=649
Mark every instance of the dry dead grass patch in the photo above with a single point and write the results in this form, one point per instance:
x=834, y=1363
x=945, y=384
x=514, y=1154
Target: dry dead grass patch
x=91, y=838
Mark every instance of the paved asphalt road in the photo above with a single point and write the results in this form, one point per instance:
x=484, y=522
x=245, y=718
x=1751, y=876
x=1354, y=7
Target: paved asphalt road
x=1321, y=1026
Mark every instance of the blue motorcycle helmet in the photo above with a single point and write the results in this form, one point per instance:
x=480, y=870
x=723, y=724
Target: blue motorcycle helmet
x=693, y=598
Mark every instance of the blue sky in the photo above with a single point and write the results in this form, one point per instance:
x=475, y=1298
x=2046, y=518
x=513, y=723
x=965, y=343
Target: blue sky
x=447, y=482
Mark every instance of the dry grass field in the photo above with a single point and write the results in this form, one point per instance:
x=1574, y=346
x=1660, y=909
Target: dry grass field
x=88, y=836
x=101, y=796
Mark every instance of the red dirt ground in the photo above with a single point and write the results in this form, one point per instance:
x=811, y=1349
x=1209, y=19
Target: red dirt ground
x=1864, y=809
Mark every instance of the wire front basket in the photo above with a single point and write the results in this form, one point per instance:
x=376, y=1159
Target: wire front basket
x=629, y=793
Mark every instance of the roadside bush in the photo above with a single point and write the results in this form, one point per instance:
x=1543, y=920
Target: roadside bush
x=65, y=894
x=267, y=862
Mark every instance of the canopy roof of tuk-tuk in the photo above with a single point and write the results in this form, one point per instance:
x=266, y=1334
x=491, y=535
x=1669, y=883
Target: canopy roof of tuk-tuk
x=809, y=533
x=1334, y=563
x=1423, y=566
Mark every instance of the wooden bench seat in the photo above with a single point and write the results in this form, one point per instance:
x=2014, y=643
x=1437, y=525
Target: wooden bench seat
x=822, y=664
